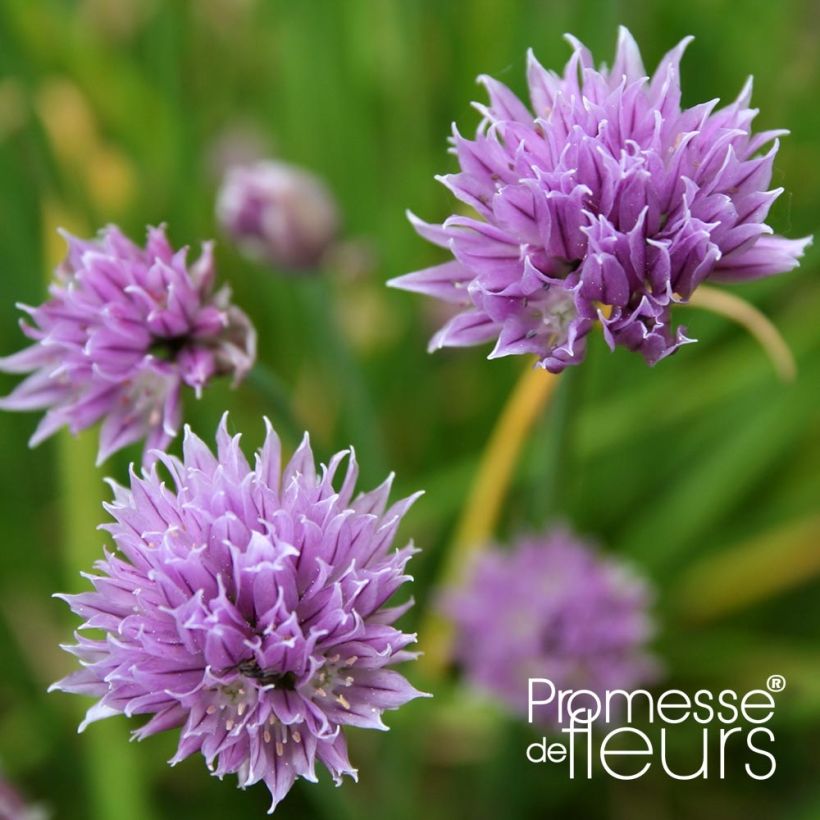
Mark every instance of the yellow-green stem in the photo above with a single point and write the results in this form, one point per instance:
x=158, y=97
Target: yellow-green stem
x=757, y=570
x=758, y=324
x=481, y=511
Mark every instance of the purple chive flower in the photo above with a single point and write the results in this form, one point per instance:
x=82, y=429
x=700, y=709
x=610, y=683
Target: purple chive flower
x=278, y=214
x=551, y=607
x=605, y=201
x=247, y=606
x=125, y=328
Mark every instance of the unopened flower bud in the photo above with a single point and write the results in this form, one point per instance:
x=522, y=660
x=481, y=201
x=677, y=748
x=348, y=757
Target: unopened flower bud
x=278, y=214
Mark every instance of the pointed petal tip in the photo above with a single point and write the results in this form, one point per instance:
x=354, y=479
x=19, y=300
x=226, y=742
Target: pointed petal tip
x=685, y=41
x=532, y=60
x=396, y=282
x=417, y=495
x=570, y=38
x=435, y=344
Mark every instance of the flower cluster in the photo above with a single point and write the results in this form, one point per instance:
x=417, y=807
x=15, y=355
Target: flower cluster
x=551, y=607
x=247, y=606
x=125, y=328
x=606, y=201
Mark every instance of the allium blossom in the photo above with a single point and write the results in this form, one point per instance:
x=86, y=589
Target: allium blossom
x=246, y=605
x=551, y=607
x=278, y=214
x=605, y=201
x=125, y=328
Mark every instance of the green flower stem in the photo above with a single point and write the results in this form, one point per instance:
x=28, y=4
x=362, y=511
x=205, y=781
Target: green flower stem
x=275, y=394
x=484, y=504
x=758, y=325
x=115, y=781
x=359, y=421
x=548, y=475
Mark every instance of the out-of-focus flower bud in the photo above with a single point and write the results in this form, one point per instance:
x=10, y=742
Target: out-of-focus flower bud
x=278, y=214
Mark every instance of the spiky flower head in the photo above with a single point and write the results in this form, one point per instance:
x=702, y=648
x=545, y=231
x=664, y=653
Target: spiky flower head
x=246, y=605
x=605, y=201
x=551, y=607
x=278, y=214
x=125, y=328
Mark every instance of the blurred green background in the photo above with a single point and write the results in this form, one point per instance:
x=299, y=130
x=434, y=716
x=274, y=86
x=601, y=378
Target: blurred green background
x=705, y=470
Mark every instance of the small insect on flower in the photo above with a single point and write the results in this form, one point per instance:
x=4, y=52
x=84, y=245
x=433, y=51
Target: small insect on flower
x=278, y=214
x=247, y=605
x=125, y=328
x=551, y=607
x=606, y=201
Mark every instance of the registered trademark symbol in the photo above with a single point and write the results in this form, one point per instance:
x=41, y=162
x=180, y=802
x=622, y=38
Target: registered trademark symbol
x=776, y=683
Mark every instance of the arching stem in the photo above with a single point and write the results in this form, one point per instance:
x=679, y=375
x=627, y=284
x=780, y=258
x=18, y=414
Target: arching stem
x=748, y=316
x=482, y=509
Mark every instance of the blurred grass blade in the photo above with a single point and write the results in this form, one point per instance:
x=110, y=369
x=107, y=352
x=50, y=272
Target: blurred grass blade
x=751, y=572
x=361, y=426
x=725, y=372
x=277, y=396
x=679, y=513
x=115, y=779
